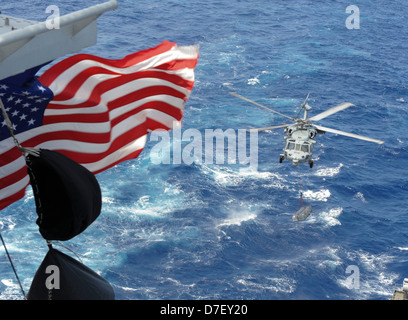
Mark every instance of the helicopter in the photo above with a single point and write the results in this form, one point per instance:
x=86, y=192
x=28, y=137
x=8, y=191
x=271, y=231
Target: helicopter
x=300, y=135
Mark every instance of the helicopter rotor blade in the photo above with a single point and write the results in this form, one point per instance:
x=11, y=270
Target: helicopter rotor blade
x=269, y=128
x=260, y=105
x=304, y=102
x=302, y=105
x=352, y=135
x=330, y=111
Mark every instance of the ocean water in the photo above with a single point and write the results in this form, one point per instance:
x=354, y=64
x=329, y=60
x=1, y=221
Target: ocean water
x=225, y=231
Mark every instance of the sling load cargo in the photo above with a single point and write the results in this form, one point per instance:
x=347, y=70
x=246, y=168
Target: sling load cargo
x=303, y=209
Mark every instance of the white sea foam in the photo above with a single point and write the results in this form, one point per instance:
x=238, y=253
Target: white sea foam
x=7, y=222
x=329, y=172
x=10, y=291
x=29, y=196
x=360, y=196
x=272, y=284
x=229, y=177
x=237, y=218
x=108, y=200
x=8, y=283
x=326, y=218
x=321, y=195
x=128, y=289
x=253, y=81
x=158, y=202
x=331, y=217
x=374, y=278
x=402, y=248
x=330, y=260
x=179, y=284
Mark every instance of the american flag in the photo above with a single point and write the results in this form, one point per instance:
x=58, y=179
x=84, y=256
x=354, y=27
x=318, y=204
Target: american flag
x=96, y=111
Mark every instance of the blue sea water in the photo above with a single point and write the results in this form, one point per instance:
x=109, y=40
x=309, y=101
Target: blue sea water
x=215, y=231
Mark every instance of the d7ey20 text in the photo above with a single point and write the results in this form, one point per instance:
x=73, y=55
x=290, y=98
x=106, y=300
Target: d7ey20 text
x=225, y=309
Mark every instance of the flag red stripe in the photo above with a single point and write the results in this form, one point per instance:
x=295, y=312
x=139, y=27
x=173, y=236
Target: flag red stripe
x=144, y=93
x=52, y=73
x=77, y=117
x=13, y=198
x=10, y=179
x=174, y=112
x=74, y=85
x=120, y=141
x=68, y=135
x=95, y=96
x=9, y=156
x=120, y=102
x=77, y=82
x=178, y=64
x=14, y=153
x=124, y=139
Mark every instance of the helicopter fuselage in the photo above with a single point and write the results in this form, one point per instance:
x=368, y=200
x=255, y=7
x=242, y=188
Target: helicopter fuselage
x=299, y=143
x=299, y=139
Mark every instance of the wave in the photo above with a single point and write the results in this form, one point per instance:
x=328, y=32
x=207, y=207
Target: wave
x=329, y=172
x=331, y=218
x=375, y=280
x=268, y=285
x=321, y=195
x=228, y=176
x=237, y=218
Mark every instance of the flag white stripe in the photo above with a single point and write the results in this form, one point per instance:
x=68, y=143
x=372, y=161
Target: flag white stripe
x=15, y=187
x=117, y=155
x=174, y=101
x=66, y=77
x=121, y=128
x=84, y=95
x=12, y=167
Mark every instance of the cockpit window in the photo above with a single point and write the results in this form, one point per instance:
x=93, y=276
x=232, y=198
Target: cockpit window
x=298, y=147
x=305, y=147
